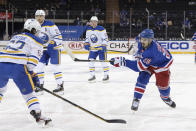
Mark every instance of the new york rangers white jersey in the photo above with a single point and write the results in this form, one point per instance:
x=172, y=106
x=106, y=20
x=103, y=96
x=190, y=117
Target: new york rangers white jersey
x=96, y=37
x=23, y=49
x=50, y=34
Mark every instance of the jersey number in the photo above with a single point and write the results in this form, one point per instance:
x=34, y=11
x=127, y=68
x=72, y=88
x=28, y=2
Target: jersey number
x=164, y=51
x=16, y=45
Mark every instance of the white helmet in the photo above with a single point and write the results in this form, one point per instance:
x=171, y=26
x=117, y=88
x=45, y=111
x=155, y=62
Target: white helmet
x=40, y=12
x=32, y=23
x=94, y=18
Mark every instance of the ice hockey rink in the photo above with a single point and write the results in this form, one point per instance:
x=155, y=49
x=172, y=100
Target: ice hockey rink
x=110, y=100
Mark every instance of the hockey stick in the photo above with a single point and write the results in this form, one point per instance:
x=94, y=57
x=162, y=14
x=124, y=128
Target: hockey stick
x=87, y=111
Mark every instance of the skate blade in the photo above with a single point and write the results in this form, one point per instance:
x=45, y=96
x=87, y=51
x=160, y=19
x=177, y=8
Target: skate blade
x=93, y=81
x=43, y=124
x=107, y=81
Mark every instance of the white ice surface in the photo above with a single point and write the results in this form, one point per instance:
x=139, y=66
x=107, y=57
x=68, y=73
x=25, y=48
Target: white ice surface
x=109, y=100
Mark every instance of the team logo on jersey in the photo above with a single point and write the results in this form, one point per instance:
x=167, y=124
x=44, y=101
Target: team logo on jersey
x=43, y=36
x=147, y=61
x=94, y=38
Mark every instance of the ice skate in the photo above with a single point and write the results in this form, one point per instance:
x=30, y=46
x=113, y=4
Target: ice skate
x=170, y=102
x=92, y=79
x=38, y=90
x=59, y=90
x=135, y=104
x=41, y=120
x=105, y=78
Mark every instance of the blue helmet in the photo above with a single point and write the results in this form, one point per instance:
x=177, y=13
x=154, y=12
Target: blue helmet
x=147, y=33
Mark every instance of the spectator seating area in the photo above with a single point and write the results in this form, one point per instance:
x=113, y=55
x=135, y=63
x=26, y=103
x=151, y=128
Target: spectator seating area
x=168, y=18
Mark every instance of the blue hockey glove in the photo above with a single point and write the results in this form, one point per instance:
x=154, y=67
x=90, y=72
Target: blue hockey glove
x=35, y=78
x=87, y=47
x=103, y=48
x=118, y=61
x=52, y=44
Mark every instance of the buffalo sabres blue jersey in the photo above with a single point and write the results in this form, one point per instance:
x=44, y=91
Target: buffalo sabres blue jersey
x=96, y=37
x=50, y=34
x=23, y=49
x=154, y=56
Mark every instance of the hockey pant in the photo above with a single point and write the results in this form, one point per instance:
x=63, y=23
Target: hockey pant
x=23, y=81
x=162, y=82
x=102, y=56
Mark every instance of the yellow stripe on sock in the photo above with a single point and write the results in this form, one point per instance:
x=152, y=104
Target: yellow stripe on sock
x=32, y=101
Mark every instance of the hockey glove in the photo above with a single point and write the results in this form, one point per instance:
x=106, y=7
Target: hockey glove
x=51, y=45
x=35, y=78
x=103, y=48
x=87, y=47
x=118, y=61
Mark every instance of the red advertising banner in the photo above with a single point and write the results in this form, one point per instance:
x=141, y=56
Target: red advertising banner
x=3, y=15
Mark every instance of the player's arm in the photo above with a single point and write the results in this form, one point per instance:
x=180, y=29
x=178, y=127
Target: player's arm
x=86, y=42
x=34, y=56
x=104, y=37
x=56, y=42
x=135, y=65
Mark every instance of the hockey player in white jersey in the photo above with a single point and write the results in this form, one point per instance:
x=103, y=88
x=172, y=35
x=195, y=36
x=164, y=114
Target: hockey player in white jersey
x=17, y=62
x=96, y=42
x=52, y=38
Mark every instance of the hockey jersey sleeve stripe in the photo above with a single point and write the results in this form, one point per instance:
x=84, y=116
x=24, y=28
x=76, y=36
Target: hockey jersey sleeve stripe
x=48, y=26
x=16, y=58
x=31, y=63
x=33, y=60
x=34, y=57
x=141, y=66
x=6, y=51
x=2, y=53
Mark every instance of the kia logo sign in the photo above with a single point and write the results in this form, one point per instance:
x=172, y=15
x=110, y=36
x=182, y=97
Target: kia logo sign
x=76, y=45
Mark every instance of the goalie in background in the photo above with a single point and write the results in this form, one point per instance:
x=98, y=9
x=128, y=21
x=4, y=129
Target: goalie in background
x=17, y=62
x=96, y=42
x=151, y=59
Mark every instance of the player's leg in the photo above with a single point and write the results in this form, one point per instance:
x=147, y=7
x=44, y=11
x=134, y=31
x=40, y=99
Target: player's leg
x=92, y=56
x=25, y=84
x=103, y=56
x=3, y=79
x=140, y=87
x=162, y=82
x=55, y=60
x=40, y=71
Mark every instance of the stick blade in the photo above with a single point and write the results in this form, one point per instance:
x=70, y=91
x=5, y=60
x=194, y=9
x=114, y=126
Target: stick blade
x=116, y=121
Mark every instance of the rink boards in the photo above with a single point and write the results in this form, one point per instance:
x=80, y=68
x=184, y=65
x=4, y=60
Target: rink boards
x=175, y=47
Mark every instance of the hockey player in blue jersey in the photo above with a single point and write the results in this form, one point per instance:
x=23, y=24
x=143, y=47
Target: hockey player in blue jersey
x=17, y=62
x=52, y=38
x=151, y=59
x=194, y=39
x=96, y=42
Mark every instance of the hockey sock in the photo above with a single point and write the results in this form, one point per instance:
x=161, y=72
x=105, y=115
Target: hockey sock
x=41, y=77
x=164, y=94
x=92, y=68
x=32, y=102
x=58, y=77
x=105, y=68
x=139, y=90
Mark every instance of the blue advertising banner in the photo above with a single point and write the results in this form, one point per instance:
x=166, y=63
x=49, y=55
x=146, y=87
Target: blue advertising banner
x=72, y=32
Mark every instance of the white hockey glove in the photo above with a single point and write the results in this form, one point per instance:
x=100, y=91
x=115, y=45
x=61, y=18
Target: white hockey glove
x=118, y=61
